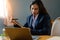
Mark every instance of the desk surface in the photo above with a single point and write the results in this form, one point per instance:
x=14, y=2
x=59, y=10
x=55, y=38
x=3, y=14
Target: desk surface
x=44, y=37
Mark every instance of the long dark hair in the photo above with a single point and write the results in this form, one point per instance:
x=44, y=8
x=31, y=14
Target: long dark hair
x=40, y=5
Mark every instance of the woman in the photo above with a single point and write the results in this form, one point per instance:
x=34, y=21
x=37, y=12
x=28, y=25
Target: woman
x=39, y=20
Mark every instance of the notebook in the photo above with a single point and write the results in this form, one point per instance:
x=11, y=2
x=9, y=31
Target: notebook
x=18, y=33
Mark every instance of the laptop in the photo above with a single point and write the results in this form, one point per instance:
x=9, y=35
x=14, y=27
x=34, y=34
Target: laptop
x=18, y=33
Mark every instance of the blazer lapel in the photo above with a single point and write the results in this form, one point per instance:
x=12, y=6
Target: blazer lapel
x=31, y=20
x=39, y=19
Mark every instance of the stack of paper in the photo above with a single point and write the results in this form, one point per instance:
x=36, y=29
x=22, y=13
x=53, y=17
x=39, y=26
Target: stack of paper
x=1, y=38
x=54, y=38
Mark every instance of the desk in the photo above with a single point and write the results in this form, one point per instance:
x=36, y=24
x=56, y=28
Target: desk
x=49, y=37
x=44, y=37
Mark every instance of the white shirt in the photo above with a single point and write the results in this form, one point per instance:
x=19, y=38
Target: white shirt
x=34, y=20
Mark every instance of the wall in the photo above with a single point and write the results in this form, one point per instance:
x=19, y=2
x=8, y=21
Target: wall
x=21, y=9
x=53, y=7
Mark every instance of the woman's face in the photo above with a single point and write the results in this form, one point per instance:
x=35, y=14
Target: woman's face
x=34, y=9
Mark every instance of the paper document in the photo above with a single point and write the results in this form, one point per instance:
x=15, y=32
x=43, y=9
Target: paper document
x=54, y=38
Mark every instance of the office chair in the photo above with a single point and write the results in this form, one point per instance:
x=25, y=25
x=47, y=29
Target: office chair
x=55, y=31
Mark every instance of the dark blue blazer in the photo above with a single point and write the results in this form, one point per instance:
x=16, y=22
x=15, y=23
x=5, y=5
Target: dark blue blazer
x=42, y=25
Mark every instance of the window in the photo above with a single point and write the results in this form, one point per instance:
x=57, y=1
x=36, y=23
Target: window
x=6, y=11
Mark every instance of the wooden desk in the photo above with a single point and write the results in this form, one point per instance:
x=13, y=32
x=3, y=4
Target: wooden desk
x=44, y=37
